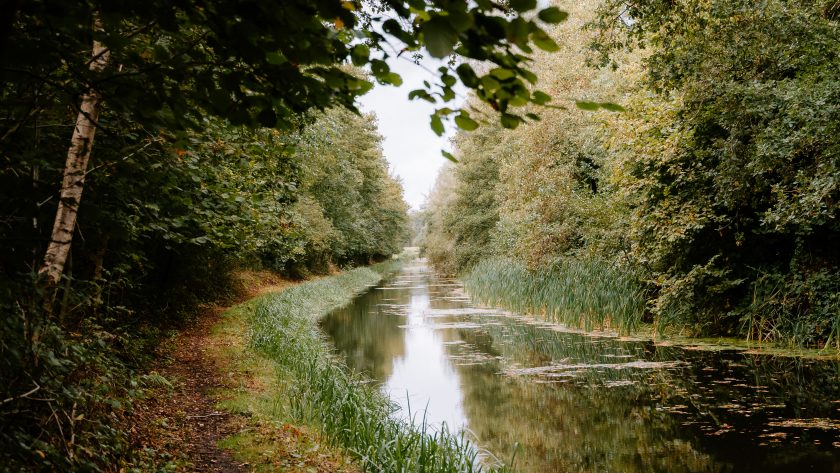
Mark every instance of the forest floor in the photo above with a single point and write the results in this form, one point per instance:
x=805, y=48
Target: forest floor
x=220, y=411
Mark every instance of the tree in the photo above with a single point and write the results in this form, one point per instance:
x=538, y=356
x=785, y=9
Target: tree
x=544, y=191
x=249, y=62
x=75, y=169
x=735, y=161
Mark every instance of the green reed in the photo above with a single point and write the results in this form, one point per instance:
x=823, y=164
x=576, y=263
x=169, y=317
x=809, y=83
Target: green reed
x=350, y=411
x=587, y=294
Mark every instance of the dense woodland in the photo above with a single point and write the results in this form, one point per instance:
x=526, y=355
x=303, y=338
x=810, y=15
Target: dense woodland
x=684, y=173
x=162, y=227
x=716, y=191
x=152, y=148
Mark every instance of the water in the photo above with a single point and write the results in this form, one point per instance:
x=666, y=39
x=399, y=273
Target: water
x=578, y=403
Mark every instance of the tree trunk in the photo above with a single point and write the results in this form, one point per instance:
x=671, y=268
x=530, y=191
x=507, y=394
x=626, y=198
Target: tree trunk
x=74, y=170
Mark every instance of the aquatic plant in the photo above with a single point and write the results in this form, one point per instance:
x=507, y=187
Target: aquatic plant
x=588, y=294
x=349, y=411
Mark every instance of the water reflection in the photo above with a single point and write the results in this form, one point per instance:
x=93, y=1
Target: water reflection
x=424, y=379
x=580, y=403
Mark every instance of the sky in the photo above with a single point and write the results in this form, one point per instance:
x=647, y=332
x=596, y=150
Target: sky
x=410, y=146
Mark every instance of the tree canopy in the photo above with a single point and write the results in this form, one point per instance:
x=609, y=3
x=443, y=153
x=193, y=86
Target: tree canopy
x=718, y=189
x=264, y=63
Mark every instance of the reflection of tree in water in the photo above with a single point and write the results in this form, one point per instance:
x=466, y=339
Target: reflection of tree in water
x=368, y=331
x=562, y=427
x=681, y=419
x=709, y=413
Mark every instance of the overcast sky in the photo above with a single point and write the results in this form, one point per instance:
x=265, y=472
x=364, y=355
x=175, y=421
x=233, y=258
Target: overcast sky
x=411, y=147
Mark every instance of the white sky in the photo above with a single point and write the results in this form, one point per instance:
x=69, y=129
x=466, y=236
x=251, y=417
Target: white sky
x=410, y=145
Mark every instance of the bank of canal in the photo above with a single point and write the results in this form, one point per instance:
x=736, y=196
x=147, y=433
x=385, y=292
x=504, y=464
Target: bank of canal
x=575, y=402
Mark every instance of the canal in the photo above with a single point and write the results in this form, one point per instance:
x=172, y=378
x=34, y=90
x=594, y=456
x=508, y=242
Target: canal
x=575, y=402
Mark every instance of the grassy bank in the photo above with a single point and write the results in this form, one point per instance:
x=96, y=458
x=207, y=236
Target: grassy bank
x=581, y=294
x=295, y=380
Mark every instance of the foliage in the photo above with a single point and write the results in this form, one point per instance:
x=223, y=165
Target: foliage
x=735, y=166
x=343, y=169
x=717, y=189
x=473, y=211
x=438, y=243
x=350, y=411
x=178, y=193
x=261, y=64
x=178, y=221
x=545, y=194
x=64, y=393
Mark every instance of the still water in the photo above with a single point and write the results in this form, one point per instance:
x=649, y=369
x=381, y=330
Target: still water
x=580, y=403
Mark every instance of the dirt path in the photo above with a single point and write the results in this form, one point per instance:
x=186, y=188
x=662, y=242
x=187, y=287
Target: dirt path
x=206, y=364
x=185, y=422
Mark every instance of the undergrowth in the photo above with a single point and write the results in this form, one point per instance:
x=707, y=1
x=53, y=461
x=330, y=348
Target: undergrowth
x=66, y=392
x=349, y=411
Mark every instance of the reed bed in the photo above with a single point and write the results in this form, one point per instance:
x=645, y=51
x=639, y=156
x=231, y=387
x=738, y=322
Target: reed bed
x=586, y=294
x=350, y=412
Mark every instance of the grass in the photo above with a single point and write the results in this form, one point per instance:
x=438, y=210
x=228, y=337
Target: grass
x=587, y=294
x=268, y=440
x=311, y=387
x=590, y=295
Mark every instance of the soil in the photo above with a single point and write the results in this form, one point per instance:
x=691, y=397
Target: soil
x=184, y=422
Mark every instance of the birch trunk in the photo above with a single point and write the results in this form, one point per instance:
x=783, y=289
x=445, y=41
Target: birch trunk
x=75, y=169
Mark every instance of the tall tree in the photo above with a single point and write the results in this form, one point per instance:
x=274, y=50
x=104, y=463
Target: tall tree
x=736, y=163
x=256, y=63
x=75, y=168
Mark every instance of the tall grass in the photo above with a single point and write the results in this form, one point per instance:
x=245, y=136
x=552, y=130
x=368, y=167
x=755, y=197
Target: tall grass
x=350, y=412
x=794, y=310
x=587, y=294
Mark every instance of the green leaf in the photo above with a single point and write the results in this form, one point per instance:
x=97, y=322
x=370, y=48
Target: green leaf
x=460, y=19
x=360, y=54
x=529, y=76
x=510, y=121
x=553, y=15
x=439, y=37
x=540, y=97
x=275, y=58
x=394, y=79
x=422, y=14
x=523, y=5
x=420, y=94
x=379, y=68
x=467, y=75
x=437, y=125
x=449, y=156
x=612, y=107
x=465, y=123
x=544, y=41
x=490, y=83
x=502, y=73
x=588, y=106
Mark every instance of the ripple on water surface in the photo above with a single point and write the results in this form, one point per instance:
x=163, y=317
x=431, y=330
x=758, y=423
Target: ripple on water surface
x=581, y=403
